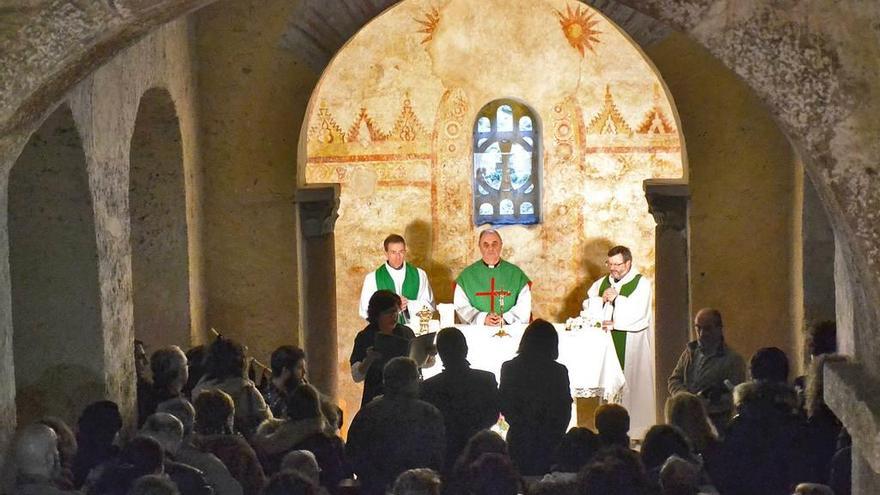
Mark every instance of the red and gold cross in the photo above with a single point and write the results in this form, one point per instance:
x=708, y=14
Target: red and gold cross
x=492, y=293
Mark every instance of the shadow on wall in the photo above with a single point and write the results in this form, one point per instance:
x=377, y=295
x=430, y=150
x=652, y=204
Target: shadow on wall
x=594, y=250
x=61, y=391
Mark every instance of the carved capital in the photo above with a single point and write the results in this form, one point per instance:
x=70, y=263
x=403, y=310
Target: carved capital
x=318, y=209
x=668, y=202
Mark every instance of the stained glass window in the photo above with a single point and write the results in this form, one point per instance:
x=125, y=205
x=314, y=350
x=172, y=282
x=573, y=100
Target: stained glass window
x=507, y=165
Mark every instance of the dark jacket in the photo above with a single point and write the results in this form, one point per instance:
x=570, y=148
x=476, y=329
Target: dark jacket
x=536, y=402
x=469, y=401
x=392, y=434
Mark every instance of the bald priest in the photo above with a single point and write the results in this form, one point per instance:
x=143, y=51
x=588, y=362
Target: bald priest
x=482, y=287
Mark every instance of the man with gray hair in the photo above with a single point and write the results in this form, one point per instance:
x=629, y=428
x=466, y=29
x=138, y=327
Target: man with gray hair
x=37, y=461
x=492, y=290
x=395, y=432
x=168, y=431
x=215, y=471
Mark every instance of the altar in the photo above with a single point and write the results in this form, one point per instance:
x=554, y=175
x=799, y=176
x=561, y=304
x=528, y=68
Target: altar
x=588, y=353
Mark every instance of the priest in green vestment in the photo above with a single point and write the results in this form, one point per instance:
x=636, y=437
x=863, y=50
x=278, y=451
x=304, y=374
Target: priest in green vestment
x=492, y=288
x=404, y=279
x=621, y=300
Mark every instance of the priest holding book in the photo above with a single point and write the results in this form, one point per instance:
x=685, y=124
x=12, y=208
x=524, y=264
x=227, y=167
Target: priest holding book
x=492, y=289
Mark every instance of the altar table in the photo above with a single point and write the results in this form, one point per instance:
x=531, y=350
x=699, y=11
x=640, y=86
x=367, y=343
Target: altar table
x=593, y=368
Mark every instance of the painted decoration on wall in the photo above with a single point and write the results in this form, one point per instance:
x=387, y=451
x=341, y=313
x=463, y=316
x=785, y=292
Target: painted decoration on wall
x=392, y=121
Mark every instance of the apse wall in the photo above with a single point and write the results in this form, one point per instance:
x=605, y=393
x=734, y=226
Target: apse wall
x=391, y=121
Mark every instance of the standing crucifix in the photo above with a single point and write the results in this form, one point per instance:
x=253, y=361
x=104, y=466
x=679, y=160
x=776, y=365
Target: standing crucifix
x=492, y=293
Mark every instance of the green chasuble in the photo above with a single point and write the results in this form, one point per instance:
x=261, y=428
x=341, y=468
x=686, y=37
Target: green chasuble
x=619, y=336
x=482, y=284
x=409, y=289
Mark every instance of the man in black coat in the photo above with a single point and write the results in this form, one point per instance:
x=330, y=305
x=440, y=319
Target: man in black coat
x=468, y=398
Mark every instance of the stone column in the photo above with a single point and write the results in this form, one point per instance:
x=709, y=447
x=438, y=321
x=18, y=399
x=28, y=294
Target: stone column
x=317, y=210
x=668, y=203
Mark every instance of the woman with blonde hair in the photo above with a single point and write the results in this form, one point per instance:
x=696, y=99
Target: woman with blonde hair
x=688, y=412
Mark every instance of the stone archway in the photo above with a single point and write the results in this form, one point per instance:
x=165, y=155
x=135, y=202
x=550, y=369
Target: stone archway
x=157, y=205
x=57, y=337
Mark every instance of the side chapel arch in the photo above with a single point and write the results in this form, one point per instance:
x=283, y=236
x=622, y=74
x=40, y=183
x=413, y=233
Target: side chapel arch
x=53, y=259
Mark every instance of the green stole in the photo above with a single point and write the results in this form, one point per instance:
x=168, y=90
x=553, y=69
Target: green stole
x=618, y=336
x=481, y=284
x=409, y=289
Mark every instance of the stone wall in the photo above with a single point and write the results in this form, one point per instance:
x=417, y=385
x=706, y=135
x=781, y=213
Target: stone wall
x=104, y=108
x=742, y=177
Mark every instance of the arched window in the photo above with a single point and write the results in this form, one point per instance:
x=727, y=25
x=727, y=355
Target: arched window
x=507, y=165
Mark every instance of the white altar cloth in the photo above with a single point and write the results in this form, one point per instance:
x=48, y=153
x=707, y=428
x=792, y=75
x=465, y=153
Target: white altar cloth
x=588, y=354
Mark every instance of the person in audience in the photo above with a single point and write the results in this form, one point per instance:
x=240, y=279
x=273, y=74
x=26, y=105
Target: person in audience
x=688, y=412
x=764, y=448
x=66, y=450
x=141, y=370
x=709, y=368
x=303, y=462
x=215, y=472
x=612, y=422
x=840, y=475
x=37, y=461
x=141, y=456
x=813, y=489
x=467, y=398
x=535, y=399
x=366, y=361
x=214, y=433
x=575, y=450
x=196, y=359
x=483, y=442
x=168, y=431
x=420, y=481
x=616, y=470
x=97, y=428
x=291, y=483
x=225, y=370
x=662, y=442
x=170, y=374
x=823, y=426
x=288, y=372
x=395, y=432
x=680, y=477
x=494, y=474
x=304, y=429
x=153, y=484
x=821, y=340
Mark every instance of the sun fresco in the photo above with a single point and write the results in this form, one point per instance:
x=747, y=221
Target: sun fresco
x=391, y=121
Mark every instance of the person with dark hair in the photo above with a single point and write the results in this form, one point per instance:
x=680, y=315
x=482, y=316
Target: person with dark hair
x=612, y=423
x=821, y=340
x=494, y=474
x=662, y=442
x=764, y=449
x=305, y=428
x=288, y=365
x=97, y=428
x=769, y=364
x=170, y=374
x=395, y=432
x=479, y=287
x=400, y=277
x=577, y=447
x=621, y=302
x=225, y=365
x=366, y=361
x=195, y=358
x=214, y=433
x=153, y=484
x=467, y=398
x=141, y=456
x=535, y=399
x=483, y=442
x=291, y=483
x=709, y=368
x=614, y=470
x=420, y=481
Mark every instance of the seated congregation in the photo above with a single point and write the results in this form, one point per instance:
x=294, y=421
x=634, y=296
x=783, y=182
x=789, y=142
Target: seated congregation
x=208, y=423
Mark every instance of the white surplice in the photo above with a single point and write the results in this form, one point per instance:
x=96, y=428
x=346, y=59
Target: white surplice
x=425, y=296
x=632, y=315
